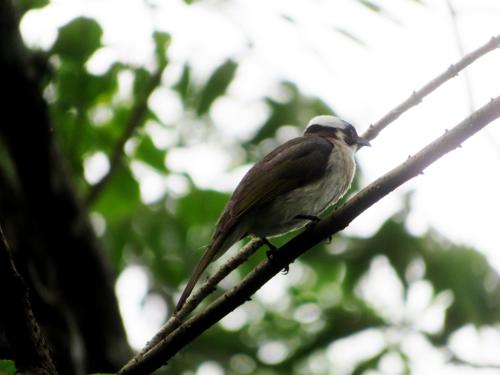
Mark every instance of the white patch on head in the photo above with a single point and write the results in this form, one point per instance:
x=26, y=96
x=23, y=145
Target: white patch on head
x=331, y=121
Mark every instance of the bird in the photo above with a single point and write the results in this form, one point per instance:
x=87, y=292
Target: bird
x=286, y=190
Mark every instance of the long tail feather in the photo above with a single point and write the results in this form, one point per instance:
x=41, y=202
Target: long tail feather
x=215, y=249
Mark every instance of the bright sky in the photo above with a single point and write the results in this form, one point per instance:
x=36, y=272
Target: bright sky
x=458, y=195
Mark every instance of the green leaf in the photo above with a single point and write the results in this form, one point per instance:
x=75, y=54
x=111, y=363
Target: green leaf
x=120, y=199
x=7, y=367
x=81, y=90
x=25, y=5
x=201, y=207
x=183, y=85
x=470, y=277
x=142, y=80
x=370, y=5
x=350, y=36
x=198, y=213
x=162, y=41
x=161, y=242
x=370, y=363
x=298, y=110
x=216, y=85
x=147, y=152
x=78, y=40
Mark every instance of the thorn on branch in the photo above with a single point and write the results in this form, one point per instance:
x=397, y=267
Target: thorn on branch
x=416, y=96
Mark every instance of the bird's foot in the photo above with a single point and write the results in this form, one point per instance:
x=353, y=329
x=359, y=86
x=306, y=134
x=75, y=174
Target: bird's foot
x=271, y=254
x=313, y=220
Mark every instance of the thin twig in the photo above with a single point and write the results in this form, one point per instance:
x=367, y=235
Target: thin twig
x=467, y=81
x=417, y=96
x=336, y=222
x=461, y=52
x=207, y=288
x=136, y=119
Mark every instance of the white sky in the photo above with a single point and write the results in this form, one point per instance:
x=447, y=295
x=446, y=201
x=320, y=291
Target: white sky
x=458, y=195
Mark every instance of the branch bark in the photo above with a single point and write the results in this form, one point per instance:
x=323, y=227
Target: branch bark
x=336, y=222
x=195, y=299
x=30, y=351
x=417, y=96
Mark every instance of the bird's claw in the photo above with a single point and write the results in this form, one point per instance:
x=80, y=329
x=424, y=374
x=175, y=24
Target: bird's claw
x=310, y=225
x=313, y=220
x=271, y=255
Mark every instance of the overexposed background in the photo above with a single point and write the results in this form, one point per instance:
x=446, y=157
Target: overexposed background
x=362, y=76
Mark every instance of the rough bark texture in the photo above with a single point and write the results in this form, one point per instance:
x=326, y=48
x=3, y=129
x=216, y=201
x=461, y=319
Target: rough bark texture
x=53, y=244
x=29, y=349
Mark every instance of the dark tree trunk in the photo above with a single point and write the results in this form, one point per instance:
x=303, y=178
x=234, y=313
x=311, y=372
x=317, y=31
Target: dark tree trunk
x=56, y=252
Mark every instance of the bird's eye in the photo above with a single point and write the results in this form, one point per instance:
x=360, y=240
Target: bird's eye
x=350, y=131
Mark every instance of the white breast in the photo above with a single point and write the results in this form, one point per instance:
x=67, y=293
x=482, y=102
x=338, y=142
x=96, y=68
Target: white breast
x=311, y=199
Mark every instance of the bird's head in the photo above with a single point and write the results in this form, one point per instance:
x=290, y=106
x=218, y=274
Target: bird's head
x=334, y=127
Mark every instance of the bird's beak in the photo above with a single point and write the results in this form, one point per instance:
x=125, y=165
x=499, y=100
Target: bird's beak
x=362, y=142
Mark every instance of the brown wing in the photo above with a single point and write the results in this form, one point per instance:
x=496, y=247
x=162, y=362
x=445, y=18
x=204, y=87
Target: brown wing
x=290, y=166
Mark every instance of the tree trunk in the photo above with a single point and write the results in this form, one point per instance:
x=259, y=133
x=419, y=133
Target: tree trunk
x=56, y=252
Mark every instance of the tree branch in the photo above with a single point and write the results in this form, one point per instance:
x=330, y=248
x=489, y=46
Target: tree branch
x=372, y=132
x=417, y=96
x=137, y=115
x=461, y=51
x=176, y=320
x=194, y=300
x=336, y=222
x=29, y=349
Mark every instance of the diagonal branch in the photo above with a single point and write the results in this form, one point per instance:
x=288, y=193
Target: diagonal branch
x=461, y=50
x=176, y=320
x=417, y=96
x=136, y=119
x=208, y=287
x=373, y=132
x=336, y=222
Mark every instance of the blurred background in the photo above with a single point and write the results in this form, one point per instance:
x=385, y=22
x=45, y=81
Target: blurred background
x=156, y=109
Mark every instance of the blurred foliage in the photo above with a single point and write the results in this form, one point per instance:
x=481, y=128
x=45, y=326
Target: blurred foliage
x=24, y=5
x=167, y=236
x=7, y=367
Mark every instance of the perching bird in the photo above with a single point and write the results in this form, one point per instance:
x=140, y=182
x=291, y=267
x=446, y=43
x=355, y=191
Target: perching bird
x=287, y=189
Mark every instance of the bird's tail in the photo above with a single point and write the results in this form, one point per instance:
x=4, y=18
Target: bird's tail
x=214, y=250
